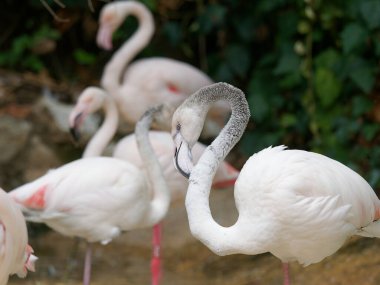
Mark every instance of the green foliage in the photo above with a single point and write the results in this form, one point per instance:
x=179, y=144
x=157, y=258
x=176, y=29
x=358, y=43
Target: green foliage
x=20, y=53
x=84, y=57
x=310, y=69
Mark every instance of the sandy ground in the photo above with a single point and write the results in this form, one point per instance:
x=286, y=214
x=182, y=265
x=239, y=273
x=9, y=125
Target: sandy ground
x=186, y=261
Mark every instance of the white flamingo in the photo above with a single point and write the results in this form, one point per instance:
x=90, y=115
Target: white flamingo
x=148, y=82
x=298, y=205
x=96, y=198
x=15, y=254
x=93, y=99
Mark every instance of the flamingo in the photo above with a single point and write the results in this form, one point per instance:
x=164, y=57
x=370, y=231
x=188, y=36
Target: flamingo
x=298, y=205
x=151, y=81
x=16, y=256
x=92, y=99
x=97, y=198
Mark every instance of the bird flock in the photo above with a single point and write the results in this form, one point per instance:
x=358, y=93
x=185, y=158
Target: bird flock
x=299, y=206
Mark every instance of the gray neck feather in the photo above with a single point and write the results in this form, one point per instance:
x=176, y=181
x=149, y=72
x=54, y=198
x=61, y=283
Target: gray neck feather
x=219, y=239
x=235, y=127
x=161, y=199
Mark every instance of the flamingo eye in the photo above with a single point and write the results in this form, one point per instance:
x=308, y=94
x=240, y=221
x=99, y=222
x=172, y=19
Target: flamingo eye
x=178, y=127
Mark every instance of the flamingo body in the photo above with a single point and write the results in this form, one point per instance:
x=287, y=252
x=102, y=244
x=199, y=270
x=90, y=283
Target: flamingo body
x=306, y=205
x=92, y=99
x=92, y=198
x=152, y=81
x=15, y=254
x=148, y=82
x=298, y=205
x=163, y=146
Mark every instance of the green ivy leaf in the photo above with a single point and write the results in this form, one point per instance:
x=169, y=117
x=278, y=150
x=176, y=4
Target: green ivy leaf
x=327, y=86
x=376, y=42
x=212, y=16
x=288, y=120
x=238, y=59
x=353, y=36
x=370, y=11
x=33, y=62
x=364, y=78
x=223, y=73
x=370, y=131
x=374, y=177
x=173, y=32
x=151, y=4
x=361, y=105
x=289, y=62
x=84, y=57
x=328, y=58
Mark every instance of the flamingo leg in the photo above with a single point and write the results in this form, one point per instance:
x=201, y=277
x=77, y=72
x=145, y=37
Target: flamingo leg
x=285, y=270
x=155, y=265
x=71, y=261
x=87, y=265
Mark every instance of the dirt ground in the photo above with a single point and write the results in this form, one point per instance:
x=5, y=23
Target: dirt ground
x=188, y=262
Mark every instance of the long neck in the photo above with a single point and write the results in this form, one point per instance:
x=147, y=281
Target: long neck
x=107, y=130
x=16, y=236
x=221, y=240
x=112, y=74
x=161, y=199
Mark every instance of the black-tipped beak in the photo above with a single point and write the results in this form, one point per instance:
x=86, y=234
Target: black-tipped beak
x=176, y=164
x=75, y=133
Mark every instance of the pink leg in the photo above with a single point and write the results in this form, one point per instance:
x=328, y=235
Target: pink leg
x=285, y=269
x=155, y=265
x=87, y=265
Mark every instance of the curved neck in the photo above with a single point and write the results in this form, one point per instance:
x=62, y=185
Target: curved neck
x=113, y=71
x=161, y=195
x=107, y=130
x=221, y=240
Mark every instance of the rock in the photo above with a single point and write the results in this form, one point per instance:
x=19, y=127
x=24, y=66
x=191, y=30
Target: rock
x=39, y=159
x=14, y=136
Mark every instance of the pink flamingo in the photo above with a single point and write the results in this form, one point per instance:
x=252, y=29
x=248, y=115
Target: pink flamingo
x=97, y=198
x=92, y=99
x=298, y=205
x=16, y=256
x=152, y=81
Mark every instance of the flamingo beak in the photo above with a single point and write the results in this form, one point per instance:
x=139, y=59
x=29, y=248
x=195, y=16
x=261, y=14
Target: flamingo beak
x=30, y=265
x=29, y=262
x=74, y=126
x=104, y=36
x=183, y=160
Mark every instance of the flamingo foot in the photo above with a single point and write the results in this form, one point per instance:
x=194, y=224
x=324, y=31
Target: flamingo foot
x=285, y=270
x=155, y=265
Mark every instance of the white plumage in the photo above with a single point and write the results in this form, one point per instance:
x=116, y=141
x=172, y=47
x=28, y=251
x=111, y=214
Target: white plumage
x=93, y=198
x=96, y=198
x=15, y=254
x=152, y=81
x=298, y=205
x=92, y=99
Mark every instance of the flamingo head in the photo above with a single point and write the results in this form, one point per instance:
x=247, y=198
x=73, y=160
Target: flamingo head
x=110, y=19
x=89, y=101
x=187, y=124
